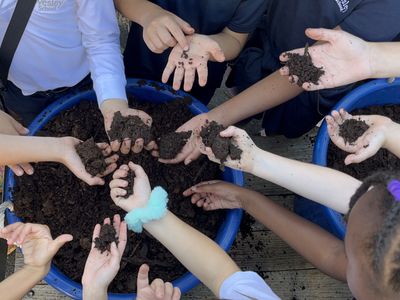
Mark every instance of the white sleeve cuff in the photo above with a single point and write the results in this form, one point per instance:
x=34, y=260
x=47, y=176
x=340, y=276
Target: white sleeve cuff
x=246, y=286
x=109, y=87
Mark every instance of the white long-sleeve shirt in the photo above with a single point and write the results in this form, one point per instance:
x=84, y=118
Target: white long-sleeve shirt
x=63, y=42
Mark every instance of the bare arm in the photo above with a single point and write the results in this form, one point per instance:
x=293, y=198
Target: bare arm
x=385, y=59
x=265, y=94
x=392, y=140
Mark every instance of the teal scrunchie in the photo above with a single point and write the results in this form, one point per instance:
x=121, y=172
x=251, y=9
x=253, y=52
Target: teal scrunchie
x=156, y=209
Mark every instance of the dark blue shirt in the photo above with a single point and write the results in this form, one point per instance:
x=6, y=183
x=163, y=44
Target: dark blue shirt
x=206, y=17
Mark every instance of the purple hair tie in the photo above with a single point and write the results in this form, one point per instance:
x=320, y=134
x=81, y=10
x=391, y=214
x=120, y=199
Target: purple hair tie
x=394, y=188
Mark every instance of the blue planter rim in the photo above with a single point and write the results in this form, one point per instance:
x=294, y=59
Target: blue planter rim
x=159, y=93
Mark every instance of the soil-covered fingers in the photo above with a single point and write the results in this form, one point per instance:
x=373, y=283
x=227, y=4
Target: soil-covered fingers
x=150, y=146
x=96, y=233
x=337, y=117
x=105, y=149
x=138, y=146
x=115, y=145
x=126, y=146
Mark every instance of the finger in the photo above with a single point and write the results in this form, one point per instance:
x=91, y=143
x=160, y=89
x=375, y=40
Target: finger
x=107, y=221
x=115, y=145
x=59, y=242
x=344, y=114
x=202, y=72
x=284, y=71
x=166, y=37
x=211, y=155
x=217, y=53
x=118, y=183
x=158, y=286
x=115, y=256
x=116, y=223
x=96, y=233
x=28, y=169
x=138, y=170
x=365, y=152
x=179, y=36
x=178, y=77
x=123, y=237
x=150, y=146
x=189, y=79
x=337, y=117
x=112, y=159
x=18, y=171
x=231, y=131
x=158, y=44
x=117, y=193
x=308, y=86
x=122, y=172
x=168, y=290
x=177, y=294
x=10, y=228
x=143, y=277
x=192, y=156
x=186, y=27
x=138, y=146
x=110, y=168
x=178, y=159
x=169, y=69
x=126, y=146
x=18, y=127
x=15, y=234
x=26, y=230
x=105, y=148
x=293, y=79
x=320, y=34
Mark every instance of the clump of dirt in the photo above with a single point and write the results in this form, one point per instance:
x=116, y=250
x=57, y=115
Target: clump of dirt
x=383, y=160
x=106, y=237
x=129, y=127
x=352, y=129
x=131, y=180
x=54, y=196
x=222, y=147
x=303, y=67
x=92, y=157
x=172, y=143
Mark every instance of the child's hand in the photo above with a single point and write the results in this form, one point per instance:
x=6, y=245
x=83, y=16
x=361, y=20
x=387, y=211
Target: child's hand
x=368, y=144
x=157, y=290
x=216, y=194
x=101, y=268
x=163, y=30
x=185, y=63
x=241, y=139
x=8, y=125
x=344, y=58
x=36, y=242
x=108, y=109
x=70, y=158
x=141, y=188
x=191, y=151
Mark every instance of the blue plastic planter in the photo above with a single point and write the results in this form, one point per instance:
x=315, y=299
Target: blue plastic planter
x=228, y=230
x=377, y=92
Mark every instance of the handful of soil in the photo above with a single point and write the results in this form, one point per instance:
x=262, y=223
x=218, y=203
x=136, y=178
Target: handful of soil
x=131, y=180
x=303, y=67
x=222, y=147
x=92, y=157
x=352, y=129
x=106, y=237
x=172, y=143
x=129, y=127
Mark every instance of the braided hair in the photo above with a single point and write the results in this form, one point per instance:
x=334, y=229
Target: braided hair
x=385, y=245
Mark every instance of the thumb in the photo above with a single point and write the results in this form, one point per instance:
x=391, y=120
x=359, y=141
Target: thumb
x=18, y=127
x=230, y=132
x=60, y=241
x=185, y=26
x=143, y=277
x=211, y=188
x=138, y=170
x=217, y=53
x=321, y=34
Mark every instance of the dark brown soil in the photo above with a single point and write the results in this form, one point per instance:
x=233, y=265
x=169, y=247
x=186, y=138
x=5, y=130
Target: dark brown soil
x=54, y=196
x=172, y=143
x=92, y=157
x=383, y=160
x=222, y=147
x=303, y=67
x=106, y=237
x=131, y=180
x=352, y=129
x=129, y=127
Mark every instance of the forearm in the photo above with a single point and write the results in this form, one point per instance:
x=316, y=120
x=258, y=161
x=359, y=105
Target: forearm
x=265, y=94
x=230, y=42
x=20, y=283
x=320, y=184
x=392, y=139
x=200, y=255
x=385, y=59
x=137, y=11
x=26, y=149
x=320, y=248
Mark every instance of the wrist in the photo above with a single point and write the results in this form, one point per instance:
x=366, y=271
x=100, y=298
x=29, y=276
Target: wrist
x=373, y=59
x=39, y=271
x=113, y=105
x=57, y=150
x=391, y=133
x=256, y=155
x=93, y=291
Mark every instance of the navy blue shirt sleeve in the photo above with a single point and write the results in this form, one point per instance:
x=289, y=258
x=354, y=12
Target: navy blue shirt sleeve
x=375, y=21
x=247, y=15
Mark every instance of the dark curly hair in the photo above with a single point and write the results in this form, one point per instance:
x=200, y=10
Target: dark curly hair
x=385, y=246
